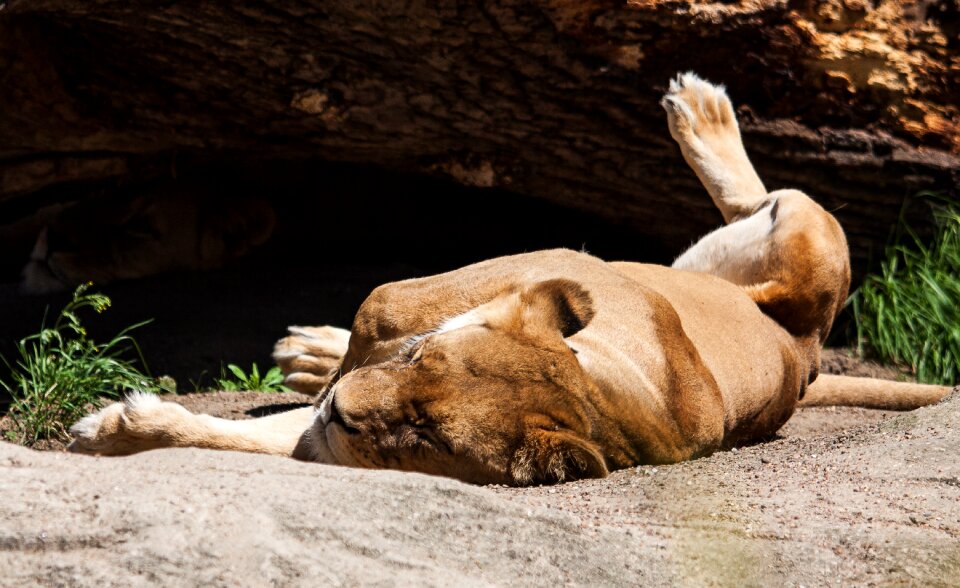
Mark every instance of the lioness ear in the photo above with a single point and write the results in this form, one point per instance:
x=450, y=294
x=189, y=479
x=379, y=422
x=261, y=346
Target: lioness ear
x=557, y=456
x=559, y=303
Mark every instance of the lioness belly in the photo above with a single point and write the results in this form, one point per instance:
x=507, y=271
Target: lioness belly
x=752, y=359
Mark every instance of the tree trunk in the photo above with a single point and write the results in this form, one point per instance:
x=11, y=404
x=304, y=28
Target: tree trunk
x=855, y=103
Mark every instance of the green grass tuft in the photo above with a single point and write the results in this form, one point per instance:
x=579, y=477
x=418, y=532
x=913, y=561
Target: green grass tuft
x=909, y=313
x=61, y=372
x=272, y=381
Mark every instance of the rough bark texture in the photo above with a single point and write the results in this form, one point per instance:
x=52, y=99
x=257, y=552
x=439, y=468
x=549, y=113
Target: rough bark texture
x=855, y=102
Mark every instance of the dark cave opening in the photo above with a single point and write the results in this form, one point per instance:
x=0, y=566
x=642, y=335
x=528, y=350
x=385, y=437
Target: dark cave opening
x=340, y=231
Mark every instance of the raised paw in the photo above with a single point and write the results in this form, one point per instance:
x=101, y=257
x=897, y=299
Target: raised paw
x=703, y=123
x=697, y=109
x=311, y=356
x=140, y=422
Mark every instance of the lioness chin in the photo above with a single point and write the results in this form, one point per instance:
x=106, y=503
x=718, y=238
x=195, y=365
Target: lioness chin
x=555, y=365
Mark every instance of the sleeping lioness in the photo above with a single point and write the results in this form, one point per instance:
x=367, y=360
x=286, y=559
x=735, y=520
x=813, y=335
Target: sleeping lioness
x=555, y=365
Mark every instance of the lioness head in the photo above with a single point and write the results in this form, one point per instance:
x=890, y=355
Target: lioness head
x=492, y=396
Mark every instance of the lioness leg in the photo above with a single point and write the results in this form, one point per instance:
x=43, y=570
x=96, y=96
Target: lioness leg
x=703, y=123
x=788, y=253
x=143, y=422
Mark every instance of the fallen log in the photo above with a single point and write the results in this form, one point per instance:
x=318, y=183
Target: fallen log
x=855, y=102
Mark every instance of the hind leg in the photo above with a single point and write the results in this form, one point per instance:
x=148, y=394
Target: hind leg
x=703, y=124
x=787, y=252
x=738, y=252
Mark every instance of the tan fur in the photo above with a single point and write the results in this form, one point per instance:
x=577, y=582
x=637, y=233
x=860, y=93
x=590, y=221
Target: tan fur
x=143, y=422
x=702, y=122
x=555, y=365
x=311, y=356
x=831, y=390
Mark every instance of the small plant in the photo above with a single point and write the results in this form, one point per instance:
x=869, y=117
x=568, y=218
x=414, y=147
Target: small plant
x=909, y=313
x=197, y=385
x=272, y=381
x=61, y=372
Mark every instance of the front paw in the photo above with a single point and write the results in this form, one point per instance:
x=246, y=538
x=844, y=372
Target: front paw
x=311, y=356
x=141, y=422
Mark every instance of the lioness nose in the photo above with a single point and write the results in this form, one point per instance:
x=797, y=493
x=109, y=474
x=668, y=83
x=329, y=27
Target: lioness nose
x=337, y=417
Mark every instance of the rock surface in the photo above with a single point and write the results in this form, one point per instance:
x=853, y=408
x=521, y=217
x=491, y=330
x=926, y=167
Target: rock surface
x=877, y=504
x=192, y=517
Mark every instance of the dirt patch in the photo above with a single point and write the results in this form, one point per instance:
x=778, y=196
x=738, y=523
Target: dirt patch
x=846, y=362
x=8, y=433
x=240, y=405
x=878, y=504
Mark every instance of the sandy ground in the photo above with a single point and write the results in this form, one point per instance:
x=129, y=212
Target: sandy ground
x=878, y=504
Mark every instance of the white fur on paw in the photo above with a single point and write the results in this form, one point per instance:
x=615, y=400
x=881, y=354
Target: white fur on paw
x=139, y=400
x=307, y=383
x=287, y=348
x=315, y=341
x=86, y=430
x=694, y=104
x=114, y=430
x=323, y=333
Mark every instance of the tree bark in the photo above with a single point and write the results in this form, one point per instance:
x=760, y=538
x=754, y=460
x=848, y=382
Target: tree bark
x=854, y=102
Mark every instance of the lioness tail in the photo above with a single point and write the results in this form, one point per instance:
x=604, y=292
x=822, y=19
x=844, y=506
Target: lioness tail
x=830, y=390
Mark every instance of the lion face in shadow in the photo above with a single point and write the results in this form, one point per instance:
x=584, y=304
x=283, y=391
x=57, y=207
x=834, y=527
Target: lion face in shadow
x=156, y=232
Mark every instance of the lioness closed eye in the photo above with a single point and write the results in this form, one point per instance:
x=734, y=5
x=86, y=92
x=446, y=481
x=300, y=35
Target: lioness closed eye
x=555, y=365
